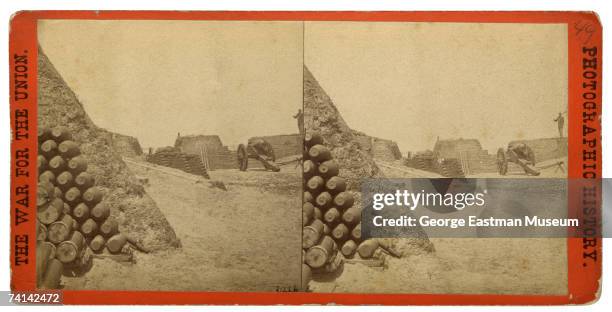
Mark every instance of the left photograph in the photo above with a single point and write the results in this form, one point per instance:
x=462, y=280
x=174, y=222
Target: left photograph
x=170, y=155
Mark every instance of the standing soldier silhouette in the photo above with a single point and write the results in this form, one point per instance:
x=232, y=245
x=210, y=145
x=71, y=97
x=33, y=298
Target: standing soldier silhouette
x=560, y=123
x=300, y=119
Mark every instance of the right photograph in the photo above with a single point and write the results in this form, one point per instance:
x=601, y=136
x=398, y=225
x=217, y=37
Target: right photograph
x=387, y=100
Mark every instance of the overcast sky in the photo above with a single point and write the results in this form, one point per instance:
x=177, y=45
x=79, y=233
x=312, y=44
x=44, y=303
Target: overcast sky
x=412, y=82
x=409, y=82
x=152, y=79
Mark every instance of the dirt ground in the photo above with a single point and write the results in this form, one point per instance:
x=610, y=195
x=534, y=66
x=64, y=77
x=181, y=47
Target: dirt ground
x=226, y=245
x=464, y=265
x=247, y=238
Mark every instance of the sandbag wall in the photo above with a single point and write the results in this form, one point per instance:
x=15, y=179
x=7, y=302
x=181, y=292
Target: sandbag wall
x=174, y=158
x=126, y=146
x=332, y=225
x=386, y=150
x=72, y=219
x=222, y=159
x=450, y=168
x=422, y=161
x=427, y=161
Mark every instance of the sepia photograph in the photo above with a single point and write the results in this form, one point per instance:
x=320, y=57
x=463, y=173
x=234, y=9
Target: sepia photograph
x=243, y=156
x=299, y=155
x=169, y=155
x=437, y=100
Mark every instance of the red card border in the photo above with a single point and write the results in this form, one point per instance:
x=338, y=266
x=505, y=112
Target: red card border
x=583, y=278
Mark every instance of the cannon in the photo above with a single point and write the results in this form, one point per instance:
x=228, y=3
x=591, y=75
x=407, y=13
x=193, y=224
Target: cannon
x=520, y=154
x=258, y=149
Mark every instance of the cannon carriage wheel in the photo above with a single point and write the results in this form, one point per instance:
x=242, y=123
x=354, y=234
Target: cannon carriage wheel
x=243, y=157
x=502, y=162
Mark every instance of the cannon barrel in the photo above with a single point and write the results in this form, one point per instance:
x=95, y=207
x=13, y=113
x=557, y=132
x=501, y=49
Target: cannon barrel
x=73, y=196
x=367, y=248
x=60, y=134
x=315, y=183
x=98, y=243
x=109, y=227
x=335, y=185
x=317, y=213
x=310, y=168
x=349, y=248
x=352, y=216
x=68, y=251
x=48, y=149
x=77, y=164
x=61, y=230
x=44, y=193
x=340, y=232
x=344, y=200
x=311, y=139
x=48, y=176
x=312, y=233
x=44, y=134
x=41, y=232
x=68, y=149
x=100, y=212
x=64, y=180
x=44, y=253
x=356, y=233
x=116, y=243
x=324, y=200
x=317, y=256
x=81, y=212
x=41, y=163
x=51, y=212
x=319, y=153
x=307, y=213
x=53, y=275
x=57, y=164
x=329, y=168
x=332, y=216
x=89, y=228
x=92, y=196
x=308, y=198
x=84, y=181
